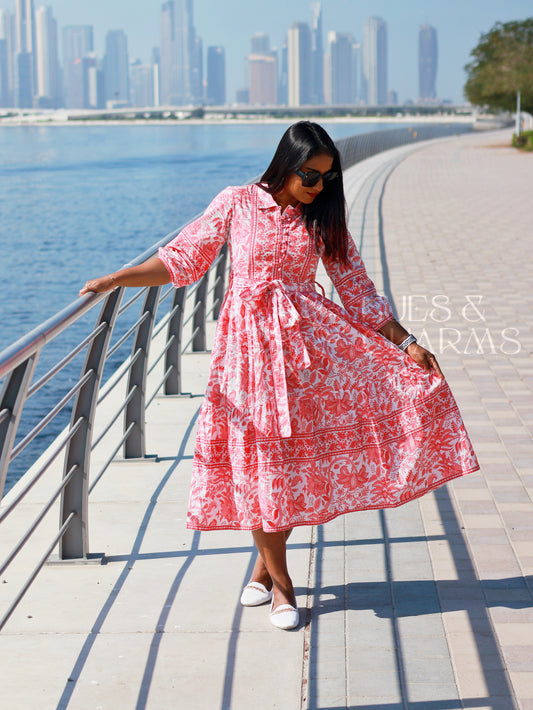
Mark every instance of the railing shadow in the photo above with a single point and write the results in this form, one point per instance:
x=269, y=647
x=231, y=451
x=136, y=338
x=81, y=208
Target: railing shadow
x=133, y=556
x=391, y=599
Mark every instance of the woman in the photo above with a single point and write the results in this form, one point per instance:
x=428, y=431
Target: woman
x=311, y=410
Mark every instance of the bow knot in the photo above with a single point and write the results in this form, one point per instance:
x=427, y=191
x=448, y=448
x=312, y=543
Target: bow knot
x=270, y=303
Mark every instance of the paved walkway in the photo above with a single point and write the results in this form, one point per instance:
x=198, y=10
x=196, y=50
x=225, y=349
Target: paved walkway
x=428, y=606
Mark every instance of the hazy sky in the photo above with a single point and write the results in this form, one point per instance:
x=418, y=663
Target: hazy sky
x=231, y=23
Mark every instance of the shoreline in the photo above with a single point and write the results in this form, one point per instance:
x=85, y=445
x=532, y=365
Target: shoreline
x=47, y=120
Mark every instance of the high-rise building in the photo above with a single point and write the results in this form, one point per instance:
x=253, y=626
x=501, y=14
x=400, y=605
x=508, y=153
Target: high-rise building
x=48, y=92
x=263, y=79
x=179, y=54
x=142, y=84
x=427, y=62
x=375, y=60
x=78, y=47
x=216, y=76
x=318, y=54
x=262, y=72
x=283, y=81
x=7, y=52
x=341, y=65
x=25, y=57
x=116, y=68
x=156, y=63
x=300, y=65
x=197, y=70
x=260, y=44
x=94, y=71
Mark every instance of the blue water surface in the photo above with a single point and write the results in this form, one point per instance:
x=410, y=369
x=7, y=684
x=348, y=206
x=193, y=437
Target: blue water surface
x=80, y=201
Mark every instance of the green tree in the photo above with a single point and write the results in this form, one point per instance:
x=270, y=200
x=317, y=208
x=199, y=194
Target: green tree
x=502, y=64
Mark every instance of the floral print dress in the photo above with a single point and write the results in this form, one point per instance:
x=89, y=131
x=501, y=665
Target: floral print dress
x=309, y=412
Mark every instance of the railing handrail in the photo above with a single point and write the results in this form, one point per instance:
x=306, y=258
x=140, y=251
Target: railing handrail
x=18, y=361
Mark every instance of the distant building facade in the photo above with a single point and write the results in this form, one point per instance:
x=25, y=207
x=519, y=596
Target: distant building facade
x=300, y=65
x=48, y=76
x=427, y=62
x=341, y=69
x=317, y=50
x=7, y=51
x=116, y=68
x=216, y=76
x=78, y=59
x=375, y=62
x=263, y=71
x=25, y=57
x=181, y=71
x=142, y=84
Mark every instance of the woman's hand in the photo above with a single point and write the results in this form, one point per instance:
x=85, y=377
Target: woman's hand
x=101, y=285
x=150, y=273
x=424, y=358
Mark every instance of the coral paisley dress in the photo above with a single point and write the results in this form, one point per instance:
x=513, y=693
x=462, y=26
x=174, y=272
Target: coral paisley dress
x=309, y=413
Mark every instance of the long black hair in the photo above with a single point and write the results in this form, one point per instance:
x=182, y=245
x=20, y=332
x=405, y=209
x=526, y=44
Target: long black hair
x=325, y=217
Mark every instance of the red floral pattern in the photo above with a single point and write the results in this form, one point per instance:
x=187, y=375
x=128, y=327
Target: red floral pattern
x=309, y=413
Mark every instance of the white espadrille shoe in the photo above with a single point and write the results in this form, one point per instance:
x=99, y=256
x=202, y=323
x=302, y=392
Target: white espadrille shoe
x=255, y=594
x=284, y=616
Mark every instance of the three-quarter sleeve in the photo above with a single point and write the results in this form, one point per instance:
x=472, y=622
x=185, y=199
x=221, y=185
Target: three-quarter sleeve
x=356, y=290
x=188, y=256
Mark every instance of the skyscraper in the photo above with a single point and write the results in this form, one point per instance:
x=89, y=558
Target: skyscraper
x=283, y=81
x=341, y=65
x=25, y=57
x=260, y=44
x=48, y=92
x=263, y=71
x=197, y=69
x=7, y=73
x=318, y=54
x=375, y=70
x=216, y=76
x=116, y=67
x=427, y=62
x=142, y=84
x=78, y=46
x=180, y=71
x=300, y=64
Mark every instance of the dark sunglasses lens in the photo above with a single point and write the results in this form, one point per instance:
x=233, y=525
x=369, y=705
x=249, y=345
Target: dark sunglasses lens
x=311, y=178
x=329, y=177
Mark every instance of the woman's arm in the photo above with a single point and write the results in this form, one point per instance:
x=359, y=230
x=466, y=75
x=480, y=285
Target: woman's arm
x=150, y=273
x=396, y=333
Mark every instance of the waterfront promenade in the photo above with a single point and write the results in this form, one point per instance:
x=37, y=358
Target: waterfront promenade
x=428, y=606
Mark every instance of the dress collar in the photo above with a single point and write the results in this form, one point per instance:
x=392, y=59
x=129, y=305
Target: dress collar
x=265, y=201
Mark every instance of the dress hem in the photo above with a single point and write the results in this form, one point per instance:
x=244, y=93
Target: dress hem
x=327, y=519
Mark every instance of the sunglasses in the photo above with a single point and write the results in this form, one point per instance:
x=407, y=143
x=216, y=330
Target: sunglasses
x=312, y=177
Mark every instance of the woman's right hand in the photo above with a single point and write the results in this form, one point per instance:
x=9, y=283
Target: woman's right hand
x=100, y=285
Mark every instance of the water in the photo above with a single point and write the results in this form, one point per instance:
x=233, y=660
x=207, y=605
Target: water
x=80, y=201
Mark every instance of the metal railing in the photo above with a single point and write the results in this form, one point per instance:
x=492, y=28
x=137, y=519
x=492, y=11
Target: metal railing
x=187, y=312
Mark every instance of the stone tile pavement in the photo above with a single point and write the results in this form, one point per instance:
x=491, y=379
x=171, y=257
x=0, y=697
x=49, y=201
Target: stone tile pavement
x=425, y=607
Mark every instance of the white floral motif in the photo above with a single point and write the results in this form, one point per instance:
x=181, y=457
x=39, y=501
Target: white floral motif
x=309, y=413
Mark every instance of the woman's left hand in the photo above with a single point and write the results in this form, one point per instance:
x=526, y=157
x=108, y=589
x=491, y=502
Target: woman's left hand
x=424, y=358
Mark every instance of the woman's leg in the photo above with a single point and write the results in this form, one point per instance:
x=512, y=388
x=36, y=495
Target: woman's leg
x=260, y=572
x=271, y=566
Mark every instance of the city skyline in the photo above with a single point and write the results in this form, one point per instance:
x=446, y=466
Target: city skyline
x=458, y=24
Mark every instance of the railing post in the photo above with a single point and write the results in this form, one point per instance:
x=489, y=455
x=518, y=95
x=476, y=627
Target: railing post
x=74, y=545
x=12, y=400
x=198, y=323
x=173, y=354
x=135, y=445
x=220, y=281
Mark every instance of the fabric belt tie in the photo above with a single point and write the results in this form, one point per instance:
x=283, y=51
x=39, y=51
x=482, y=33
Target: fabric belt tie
x=285, y=341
